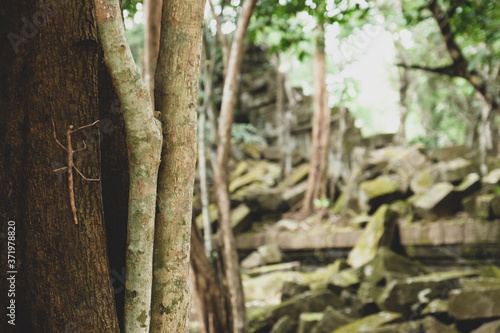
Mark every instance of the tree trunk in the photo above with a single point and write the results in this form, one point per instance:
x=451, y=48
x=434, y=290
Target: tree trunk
x=485, y=140
x=403, y=106
x=62, y=280
x=152, y=15
x=229, y=94
x=211, y=299
x=115, y=183
x=288, y=123
x=281, y=121
x=208, y=72
x=144, y=143
x=224, y=44
x=176, y=95
x=321, y=128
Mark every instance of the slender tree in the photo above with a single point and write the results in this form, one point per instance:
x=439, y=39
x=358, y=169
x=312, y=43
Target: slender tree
x=211, y=305
x=152, y=14
x=144, y=143
x=404, y=84
x=176, y=95
x=208, y=72
x=321, y=127
x=229, y=95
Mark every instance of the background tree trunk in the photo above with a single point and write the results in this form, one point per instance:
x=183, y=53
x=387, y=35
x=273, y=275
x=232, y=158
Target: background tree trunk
x=63, y=281
x=404, y=83
x=281, y=121
x=152, y=15
x=176, y=95
x=232, y=276
x=212, y=306
x=208, y=72
x=321, y=128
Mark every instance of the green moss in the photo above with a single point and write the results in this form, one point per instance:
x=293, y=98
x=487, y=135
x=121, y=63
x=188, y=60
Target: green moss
x=143, y=318
x=369, y=323
x=379, y=186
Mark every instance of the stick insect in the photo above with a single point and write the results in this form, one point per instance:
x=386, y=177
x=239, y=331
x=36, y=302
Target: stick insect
x=71, y=164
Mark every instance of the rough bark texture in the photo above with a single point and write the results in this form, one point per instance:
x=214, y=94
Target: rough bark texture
x=62, y=280
x=144, y=142
x=211, y=299
x=176, y=95
x=152, y=14
x=321, y=129
x=115, y=183
x=229, y=94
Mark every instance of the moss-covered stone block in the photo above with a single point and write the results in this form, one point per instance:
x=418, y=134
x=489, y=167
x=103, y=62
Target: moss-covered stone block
x=422, y=181
x=389, y=266
x=490, y=272
x=470, y=184
x=398, y=295
x=375, y=192
x=306, y=302
x=475, y=303
x=308, y=320
x=438, y=201
x=345, y=279
x=255, y=174
x=332, y=319
x=455, y=170
x=378, y=233
x=427, y=325
x=369, y=323
x=296, y=175
x=284, y=325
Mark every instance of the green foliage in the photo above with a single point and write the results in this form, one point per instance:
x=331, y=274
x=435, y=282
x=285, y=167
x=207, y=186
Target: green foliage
x=321, y=203
x=135, y=37
x=131, y=6
x=497, y=189
x=245, y=133
x=289, y=25
x=428, y=141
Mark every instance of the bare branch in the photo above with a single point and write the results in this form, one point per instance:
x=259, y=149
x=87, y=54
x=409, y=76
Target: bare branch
x=446, y=70
x=225, y=45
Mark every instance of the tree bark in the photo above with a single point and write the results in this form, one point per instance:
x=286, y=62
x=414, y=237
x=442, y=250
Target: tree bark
x=211, y=299
x=144, y=143
x=485, y=139
x=321, y=129
x=208, y=72
x=115, y=183
x=229, y=94
x=152, y=14
x=176, y=95
x=62, y=281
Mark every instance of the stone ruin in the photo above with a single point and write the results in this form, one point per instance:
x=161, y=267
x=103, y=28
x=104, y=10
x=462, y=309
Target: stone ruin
x=390, y=207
